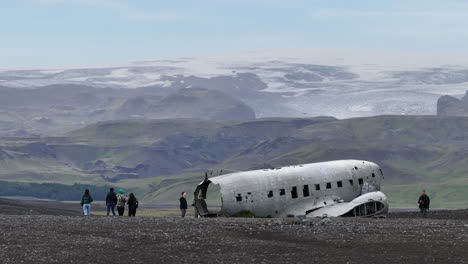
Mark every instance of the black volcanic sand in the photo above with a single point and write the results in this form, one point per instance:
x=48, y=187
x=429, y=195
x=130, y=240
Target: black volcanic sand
x=400, y=238
x=38, y=207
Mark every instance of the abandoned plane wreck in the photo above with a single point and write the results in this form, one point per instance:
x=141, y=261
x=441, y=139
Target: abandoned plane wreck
x=349, y=188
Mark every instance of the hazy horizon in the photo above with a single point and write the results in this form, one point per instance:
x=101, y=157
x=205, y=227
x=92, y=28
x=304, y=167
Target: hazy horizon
x=69, y=33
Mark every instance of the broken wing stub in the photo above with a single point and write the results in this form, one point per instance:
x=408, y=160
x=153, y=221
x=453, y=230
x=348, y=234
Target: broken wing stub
x=367, y=205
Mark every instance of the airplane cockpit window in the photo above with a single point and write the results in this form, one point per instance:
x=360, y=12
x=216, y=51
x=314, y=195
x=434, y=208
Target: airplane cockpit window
x=239, y=197
x=294, y=192
x=339, y=184
x=305, y=191
x=317, y=187
x=373, y=175
x=282, y=192
x=381, y=172
x=270, y=194
x=361, y=181
x=328, y=185
x=351, y=182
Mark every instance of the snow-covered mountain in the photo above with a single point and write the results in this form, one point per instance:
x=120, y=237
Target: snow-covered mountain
x=286, y=83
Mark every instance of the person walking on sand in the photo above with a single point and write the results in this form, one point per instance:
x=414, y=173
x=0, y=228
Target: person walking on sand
x=183, y=204
x=121, y=200
x=111, y=201
x=132, y=204
x=424, y=203
x=86, y=201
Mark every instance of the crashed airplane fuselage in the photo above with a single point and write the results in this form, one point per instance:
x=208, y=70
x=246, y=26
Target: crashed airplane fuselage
x=334, y=188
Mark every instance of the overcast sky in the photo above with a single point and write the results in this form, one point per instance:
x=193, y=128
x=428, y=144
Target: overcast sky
x=37, y=33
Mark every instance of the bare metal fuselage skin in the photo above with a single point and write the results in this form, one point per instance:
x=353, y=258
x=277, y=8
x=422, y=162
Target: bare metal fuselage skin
x=328, y=188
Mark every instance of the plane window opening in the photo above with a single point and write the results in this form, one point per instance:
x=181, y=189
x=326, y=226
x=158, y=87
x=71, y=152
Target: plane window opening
x=270, y=194
x=282, y=192
x=317, y=187
x=305, y=191
x=373, y=175
x=339, y=184
x=351, y=182
x=328, y=185
x=361, y=181
x=249, y=193
x=239, y=197
x=356, y=168
x=381, y=173
x=365, y=210
x=294, y=192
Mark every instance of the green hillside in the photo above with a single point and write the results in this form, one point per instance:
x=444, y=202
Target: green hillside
x=160, y=158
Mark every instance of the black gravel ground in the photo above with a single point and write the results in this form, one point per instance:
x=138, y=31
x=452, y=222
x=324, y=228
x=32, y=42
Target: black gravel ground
x=399, y=238
x=38, y=207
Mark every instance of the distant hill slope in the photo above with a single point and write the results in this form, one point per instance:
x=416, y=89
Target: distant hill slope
x=158, y=158
x=187, y=103
x=60, y=108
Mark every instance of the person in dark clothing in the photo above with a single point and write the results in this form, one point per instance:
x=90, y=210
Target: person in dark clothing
x=183, y=204
x=86, y=201
x=132, y=204
x=111, y=201
x=424, y=203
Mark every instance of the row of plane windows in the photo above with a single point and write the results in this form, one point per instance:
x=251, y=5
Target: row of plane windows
x=305, y=189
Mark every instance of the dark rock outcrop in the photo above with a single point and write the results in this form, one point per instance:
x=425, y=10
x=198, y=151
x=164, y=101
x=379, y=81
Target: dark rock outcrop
x=450, y=106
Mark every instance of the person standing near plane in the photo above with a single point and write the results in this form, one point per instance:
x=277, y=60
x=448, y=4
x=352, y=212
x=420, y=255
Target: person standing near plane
x=424, y=203
x=132, y=204
x=111, y=201
x=121, y=200
x=183, y=204
x=86, y=201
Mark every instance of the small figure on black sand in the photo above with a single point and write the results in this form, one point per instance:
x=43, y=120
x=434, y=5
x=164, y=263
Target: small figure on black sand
x=86, y=201
x=132, y=204
x=424, y=203
x=121, y=200
x=183, y=204
x=111, y=201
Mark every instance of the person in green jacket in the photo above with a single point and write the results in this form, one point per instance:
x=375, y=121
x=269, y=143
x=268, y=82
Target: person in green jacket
x=121, y=200
x=86, y=201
